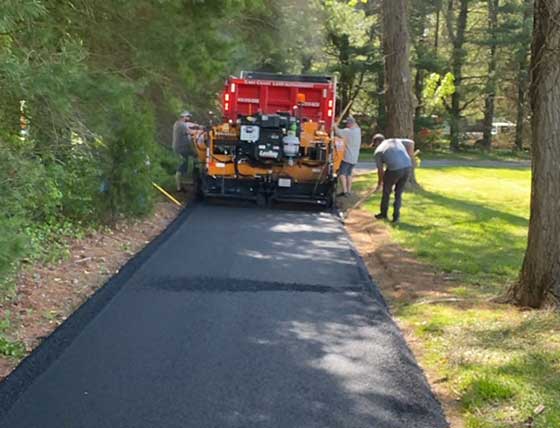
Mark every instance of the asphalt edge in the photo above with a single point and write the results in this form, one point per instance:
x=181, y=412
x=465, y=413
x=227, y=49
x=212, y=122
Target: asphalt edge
x=370, y=282
x=374, y=288
x=50, y=349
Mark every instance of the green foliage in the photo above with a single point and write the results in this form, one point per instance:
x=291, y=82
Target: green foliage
x=127, y=175
x=20, y=180
x=9, y=348
x=163, y=165
x=16, y=11
x=437, y=90
x=354, y=3
x=483, y=389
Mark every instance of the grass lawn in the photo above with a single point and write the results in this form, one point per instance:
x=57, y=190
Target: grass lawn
x=366, y=155
x=501, y=362
x=475, y=154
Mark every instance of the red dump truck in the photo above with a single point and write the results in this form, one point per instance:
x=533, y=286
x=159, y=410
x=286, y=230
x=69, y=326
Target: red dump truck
x=270, y=93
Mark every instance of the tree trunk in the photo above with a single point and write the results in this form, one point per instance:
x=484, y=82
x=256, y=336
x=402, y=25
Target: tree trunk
x=381, y=108
x=418, y=90
x=306, y=63
x=398, y=82
x=398, y=88
x=421, y=50
x=491, y=82
x=341, y=44
x=457, y=60
x=540, y=275
x=522, y=78
x=521, y=101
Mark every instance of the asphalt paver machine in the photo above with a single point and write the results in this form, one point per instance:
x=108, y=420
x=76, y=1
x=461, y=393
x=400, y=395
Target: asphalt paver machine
x=275, y=142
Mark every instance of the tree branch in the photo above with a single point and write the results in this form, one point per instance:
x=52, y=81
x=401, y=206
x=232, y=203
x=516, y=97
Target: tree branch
x=468, y=103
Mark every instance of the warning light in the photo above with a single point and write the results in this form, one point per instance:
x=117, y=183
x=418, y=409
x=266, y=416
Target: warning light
x=232, y=88
x=330, y=103
x=329, y=113
x=300, y=98
x=226, y=106
x=227, y=97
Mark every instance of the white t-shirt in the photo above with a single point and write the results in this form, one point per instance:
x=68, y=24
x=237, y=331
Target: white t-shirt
x=352, y=141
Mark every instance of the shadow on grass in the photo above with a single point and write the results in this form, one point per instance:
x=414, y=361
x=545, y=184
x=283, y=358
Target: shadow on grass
x=505, y=365
x=478, y=211
x=530, y=376
x=480, y=245
x=476, y=164
x=515, y=337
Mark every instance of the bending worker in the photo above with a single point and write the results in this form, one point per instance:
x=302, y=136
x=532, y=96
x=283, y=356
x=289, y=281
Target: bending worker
x=397, y=155
x=352, y=136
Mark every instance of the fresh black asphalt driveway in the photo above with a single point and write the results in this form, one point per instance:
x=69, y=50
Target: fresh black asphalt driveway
x=236, y=317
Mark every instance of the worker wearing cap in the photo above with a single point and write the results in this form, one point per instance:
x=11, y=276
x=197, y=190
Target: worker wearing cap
x=352, y=136
x=182, y=145
x=397, y=156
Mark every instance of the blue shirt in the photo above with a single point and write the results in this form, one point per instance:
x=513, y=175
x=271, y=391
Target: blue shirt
x=393, y=153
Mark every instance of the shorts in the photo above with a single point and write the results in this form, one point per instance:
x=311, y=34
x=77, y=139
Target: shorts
x=346, y=169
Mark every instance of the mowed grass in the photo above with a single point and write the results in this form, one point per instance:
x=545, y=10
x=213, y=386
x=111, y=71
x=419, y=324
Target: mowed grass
x=502, y=363
x=469, y=222
x=470, y=154
x=473, y=154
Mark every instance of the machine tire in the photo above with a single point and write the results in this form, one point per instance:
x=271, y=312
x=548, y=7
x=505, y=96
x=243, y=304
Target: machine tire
x=198, y=184
x=261, y=200
x=270, y=202
x=331, y=202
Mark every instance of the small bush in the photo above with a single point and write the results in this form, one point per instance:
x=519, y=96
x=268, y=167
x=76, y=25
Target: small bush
x=11, y=349
x=52, y=192
x=127, y=181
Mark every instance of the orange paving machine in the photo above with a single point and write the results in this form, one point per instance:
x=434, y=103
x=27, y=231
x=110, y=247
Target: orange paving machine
x=275, y=142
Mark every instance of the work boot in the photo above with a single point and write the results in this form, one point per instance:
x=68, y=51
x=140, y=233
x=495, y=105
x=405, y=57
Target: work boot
x=381, y=216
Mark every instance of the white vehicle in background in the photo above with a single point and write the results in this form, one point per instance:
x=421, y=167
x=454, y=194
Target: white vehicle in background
x=502, y=127
x=502, y=134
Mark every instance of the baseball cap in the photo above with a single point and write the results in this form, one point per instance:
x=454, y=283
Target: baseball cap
x=378, y=137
